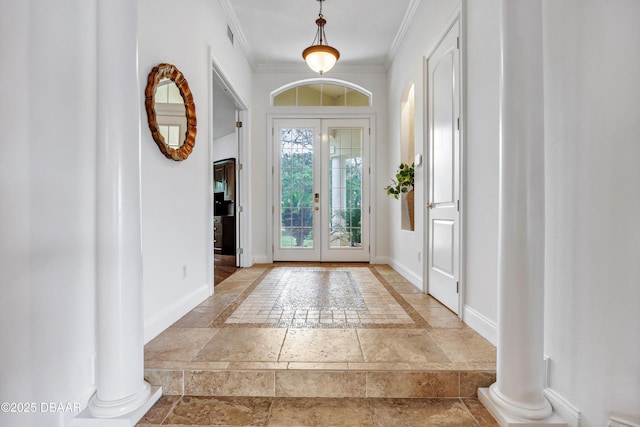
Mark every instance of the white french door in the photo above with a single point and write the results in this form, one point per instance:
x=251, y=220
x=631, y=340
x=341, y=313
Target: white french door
x=321, y=190
x=443, y=216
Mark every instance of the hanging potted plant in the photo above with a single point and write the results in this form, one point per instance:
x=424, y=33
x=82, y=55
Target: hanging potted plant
x=403, y=184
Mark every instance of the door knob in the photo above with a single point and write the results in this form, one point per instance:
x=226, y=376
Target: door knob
x=316, y=208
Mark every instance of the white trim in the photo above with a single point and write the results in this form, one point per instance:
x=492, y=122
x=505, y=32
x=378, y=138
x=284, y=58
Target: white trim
x=477, y=321
x=166, y=317
x=83, y=400
x=243, y=182
x=412, y=277
x=262, y=259
x=561, y=406
x=234, y=23
x=619, y=422
x=402, y=30
x=383, y=260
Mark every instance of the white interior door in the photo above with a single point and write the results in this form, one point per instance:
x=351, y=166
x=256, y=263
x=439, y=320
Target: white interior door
x=321, y=190
x=443, y=243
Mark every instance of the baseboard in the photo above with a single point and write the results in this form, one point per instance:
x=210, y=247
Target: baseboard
x=384, y=260
x=166, y=317
x=481, y=324
x=563, y=408
x=415, y=279
x=261, y=259
x=82, y=402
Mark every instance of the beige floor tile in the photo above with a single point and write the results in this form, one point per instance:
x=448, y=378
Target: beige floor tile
x=160, y=410
x=320, y=412
x=421, y=412
x=413, y=384
x=400, y=345
x=228, y=411
x=229, y=383
x=245, y=344
x=297, y=383
x=321, y=345
x=464, y=345
x=480, y=413
x=177, y=344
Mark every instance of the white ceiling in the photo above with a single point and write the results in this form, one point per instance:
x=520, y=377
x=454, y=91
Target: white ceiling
x=274, y=33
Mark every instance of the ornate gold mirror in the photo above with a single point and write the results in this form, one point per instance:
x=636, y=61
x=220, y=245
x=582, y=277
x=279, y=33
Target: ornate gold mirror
x=170, y=111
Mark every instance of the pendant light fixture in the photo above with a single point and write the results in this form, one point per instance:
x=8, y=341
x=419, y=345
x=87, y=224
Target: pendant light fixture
x=320, y=57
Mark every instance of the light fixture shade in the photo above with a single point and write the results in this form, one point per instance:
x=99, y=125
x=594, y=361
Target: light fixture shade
x=320, y=58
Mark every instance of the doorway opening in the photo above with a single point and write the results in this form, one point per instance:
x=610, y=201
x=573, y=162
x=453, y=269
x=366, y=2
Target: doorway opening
x=228, y=188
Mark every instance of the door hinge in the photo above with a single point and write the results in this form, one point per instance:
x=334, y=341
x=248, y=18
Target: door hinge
x=369, y=131
x=457, y=42
x=369, y=209
x=240, y=166
x=457, y=287
x=273, y=210
x=240, y=251
x=240, y=209
x=458, y=123
x=458, y=205
x=238, y=124
x=273, y=170
x=273, y=131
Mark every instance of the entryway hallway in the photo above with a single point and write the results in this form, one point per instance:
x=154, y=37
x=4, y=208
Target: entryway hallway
x=319, y=344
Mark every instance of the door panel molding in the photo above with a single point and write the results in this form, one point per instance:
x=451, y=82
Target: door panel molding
x=443, y=243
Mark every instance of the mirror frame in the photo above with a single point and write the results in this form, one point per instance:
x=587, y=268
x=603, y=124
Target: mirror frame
x=169, y=71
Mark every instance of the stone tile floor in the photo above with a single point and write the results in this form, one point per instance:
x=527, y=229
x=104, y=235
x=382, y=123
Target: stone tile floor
x=325, y=412
x=307, y=344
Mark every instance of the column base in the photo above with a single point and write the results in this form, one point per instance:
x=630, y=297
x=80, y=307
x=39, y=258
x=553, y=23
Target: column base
x=506, y=419
x=130, y=413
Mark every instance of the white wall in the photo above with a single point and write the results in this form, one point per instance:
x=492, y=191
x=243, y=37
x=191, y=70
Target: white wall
x=592, y=145
x=267, y=81
x=47, y=208
x=225, y=147
x=429, y=22
x=176, y=196
x=481, y=129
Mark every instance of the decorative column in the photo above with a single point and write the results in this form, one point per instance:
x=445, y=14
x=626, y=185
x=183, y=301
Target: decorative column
x=122, y=394
x=517, y=396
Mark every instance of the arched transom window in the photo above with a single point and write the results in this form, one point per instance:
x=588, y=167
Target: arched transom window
x=321, y=92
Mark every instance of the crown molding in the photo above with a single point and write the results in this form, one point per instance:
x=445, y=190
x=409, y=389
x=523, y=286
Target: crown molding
x=402, y=31
x=234, y=23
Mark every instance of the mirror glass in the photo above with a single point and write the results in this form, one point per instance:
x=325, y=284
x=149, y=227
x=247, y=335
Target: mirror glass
x=170, y=111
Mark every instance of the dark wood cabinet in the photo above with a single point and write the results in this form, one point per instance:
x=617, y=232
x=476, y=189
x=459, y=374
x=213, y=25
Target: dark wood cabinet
x=224, y=220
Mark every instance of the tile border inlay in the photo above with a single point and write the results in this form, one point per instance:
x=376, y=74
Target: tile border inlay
x=416, y=320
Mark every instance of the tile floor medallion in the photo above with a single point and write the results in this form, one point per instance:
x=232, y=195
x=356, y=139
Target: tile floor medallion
x=317, y=297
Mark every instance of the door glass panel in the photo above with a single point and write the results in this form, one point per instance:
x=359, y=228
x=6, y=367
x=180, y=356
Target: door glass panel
x=296, y=188
x=345, y=187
